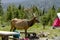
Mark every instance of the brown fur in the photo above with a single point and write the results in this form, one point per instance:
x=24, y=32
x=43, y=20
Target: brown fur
x=22, y=24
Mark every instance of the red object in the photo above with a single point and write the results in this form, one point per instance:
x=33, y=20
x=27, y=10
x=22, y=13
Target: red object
x=56, y=22
x=26, y=38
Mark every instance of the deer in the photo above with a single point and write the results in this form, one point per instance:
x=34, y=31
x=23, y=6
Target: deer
x=23, y=24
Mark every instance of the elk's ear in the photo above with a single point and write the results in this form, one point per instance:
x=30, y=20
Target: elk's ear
x=34, y=14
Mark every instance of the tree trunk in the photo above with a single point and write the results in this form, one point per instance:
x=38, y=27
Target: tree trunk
x=43, y=26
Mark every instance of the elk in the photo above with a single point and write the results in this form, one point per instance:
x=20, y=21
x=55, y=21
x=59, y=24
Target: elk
x=23, y=24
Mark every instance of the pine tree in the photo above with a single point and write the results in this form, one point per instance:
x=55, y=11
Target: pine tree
x=51, y=14
x=1, y=12
x=1, y=9
x=58, y=10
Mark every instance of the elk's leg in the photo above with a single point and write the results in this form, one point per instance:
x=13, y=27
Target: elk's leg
x=11, y=28
x=25, y=32
x=14, y=29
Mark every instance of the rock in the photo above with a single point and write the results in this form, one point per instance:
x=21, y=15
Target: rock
x=56, y=38
x=43, y=34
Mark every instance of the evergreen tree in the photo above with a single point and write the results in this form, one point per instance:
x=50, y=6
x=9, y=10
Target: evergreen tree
x=21, y=12
x=1, y=12
x=51, y=14
x=1, y=9
x=10, y=13
x=58, y=10
x=19, y=7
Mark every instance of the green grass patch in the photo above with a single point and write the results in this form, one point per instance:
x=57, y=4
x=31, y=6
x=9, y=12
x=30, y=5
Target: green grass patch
x=37, y=28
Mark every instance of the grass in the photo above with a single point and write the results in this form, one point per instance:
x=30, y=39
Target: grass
x=37, y=28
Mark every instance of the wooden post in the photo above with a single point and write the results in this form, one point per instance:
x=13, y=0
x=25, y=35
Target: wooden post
x=15, y=38
x=5, y=38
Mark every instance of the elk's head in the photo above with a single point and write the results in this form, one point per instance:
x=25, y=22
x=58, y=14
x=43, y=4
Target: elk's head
x=35, y=19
